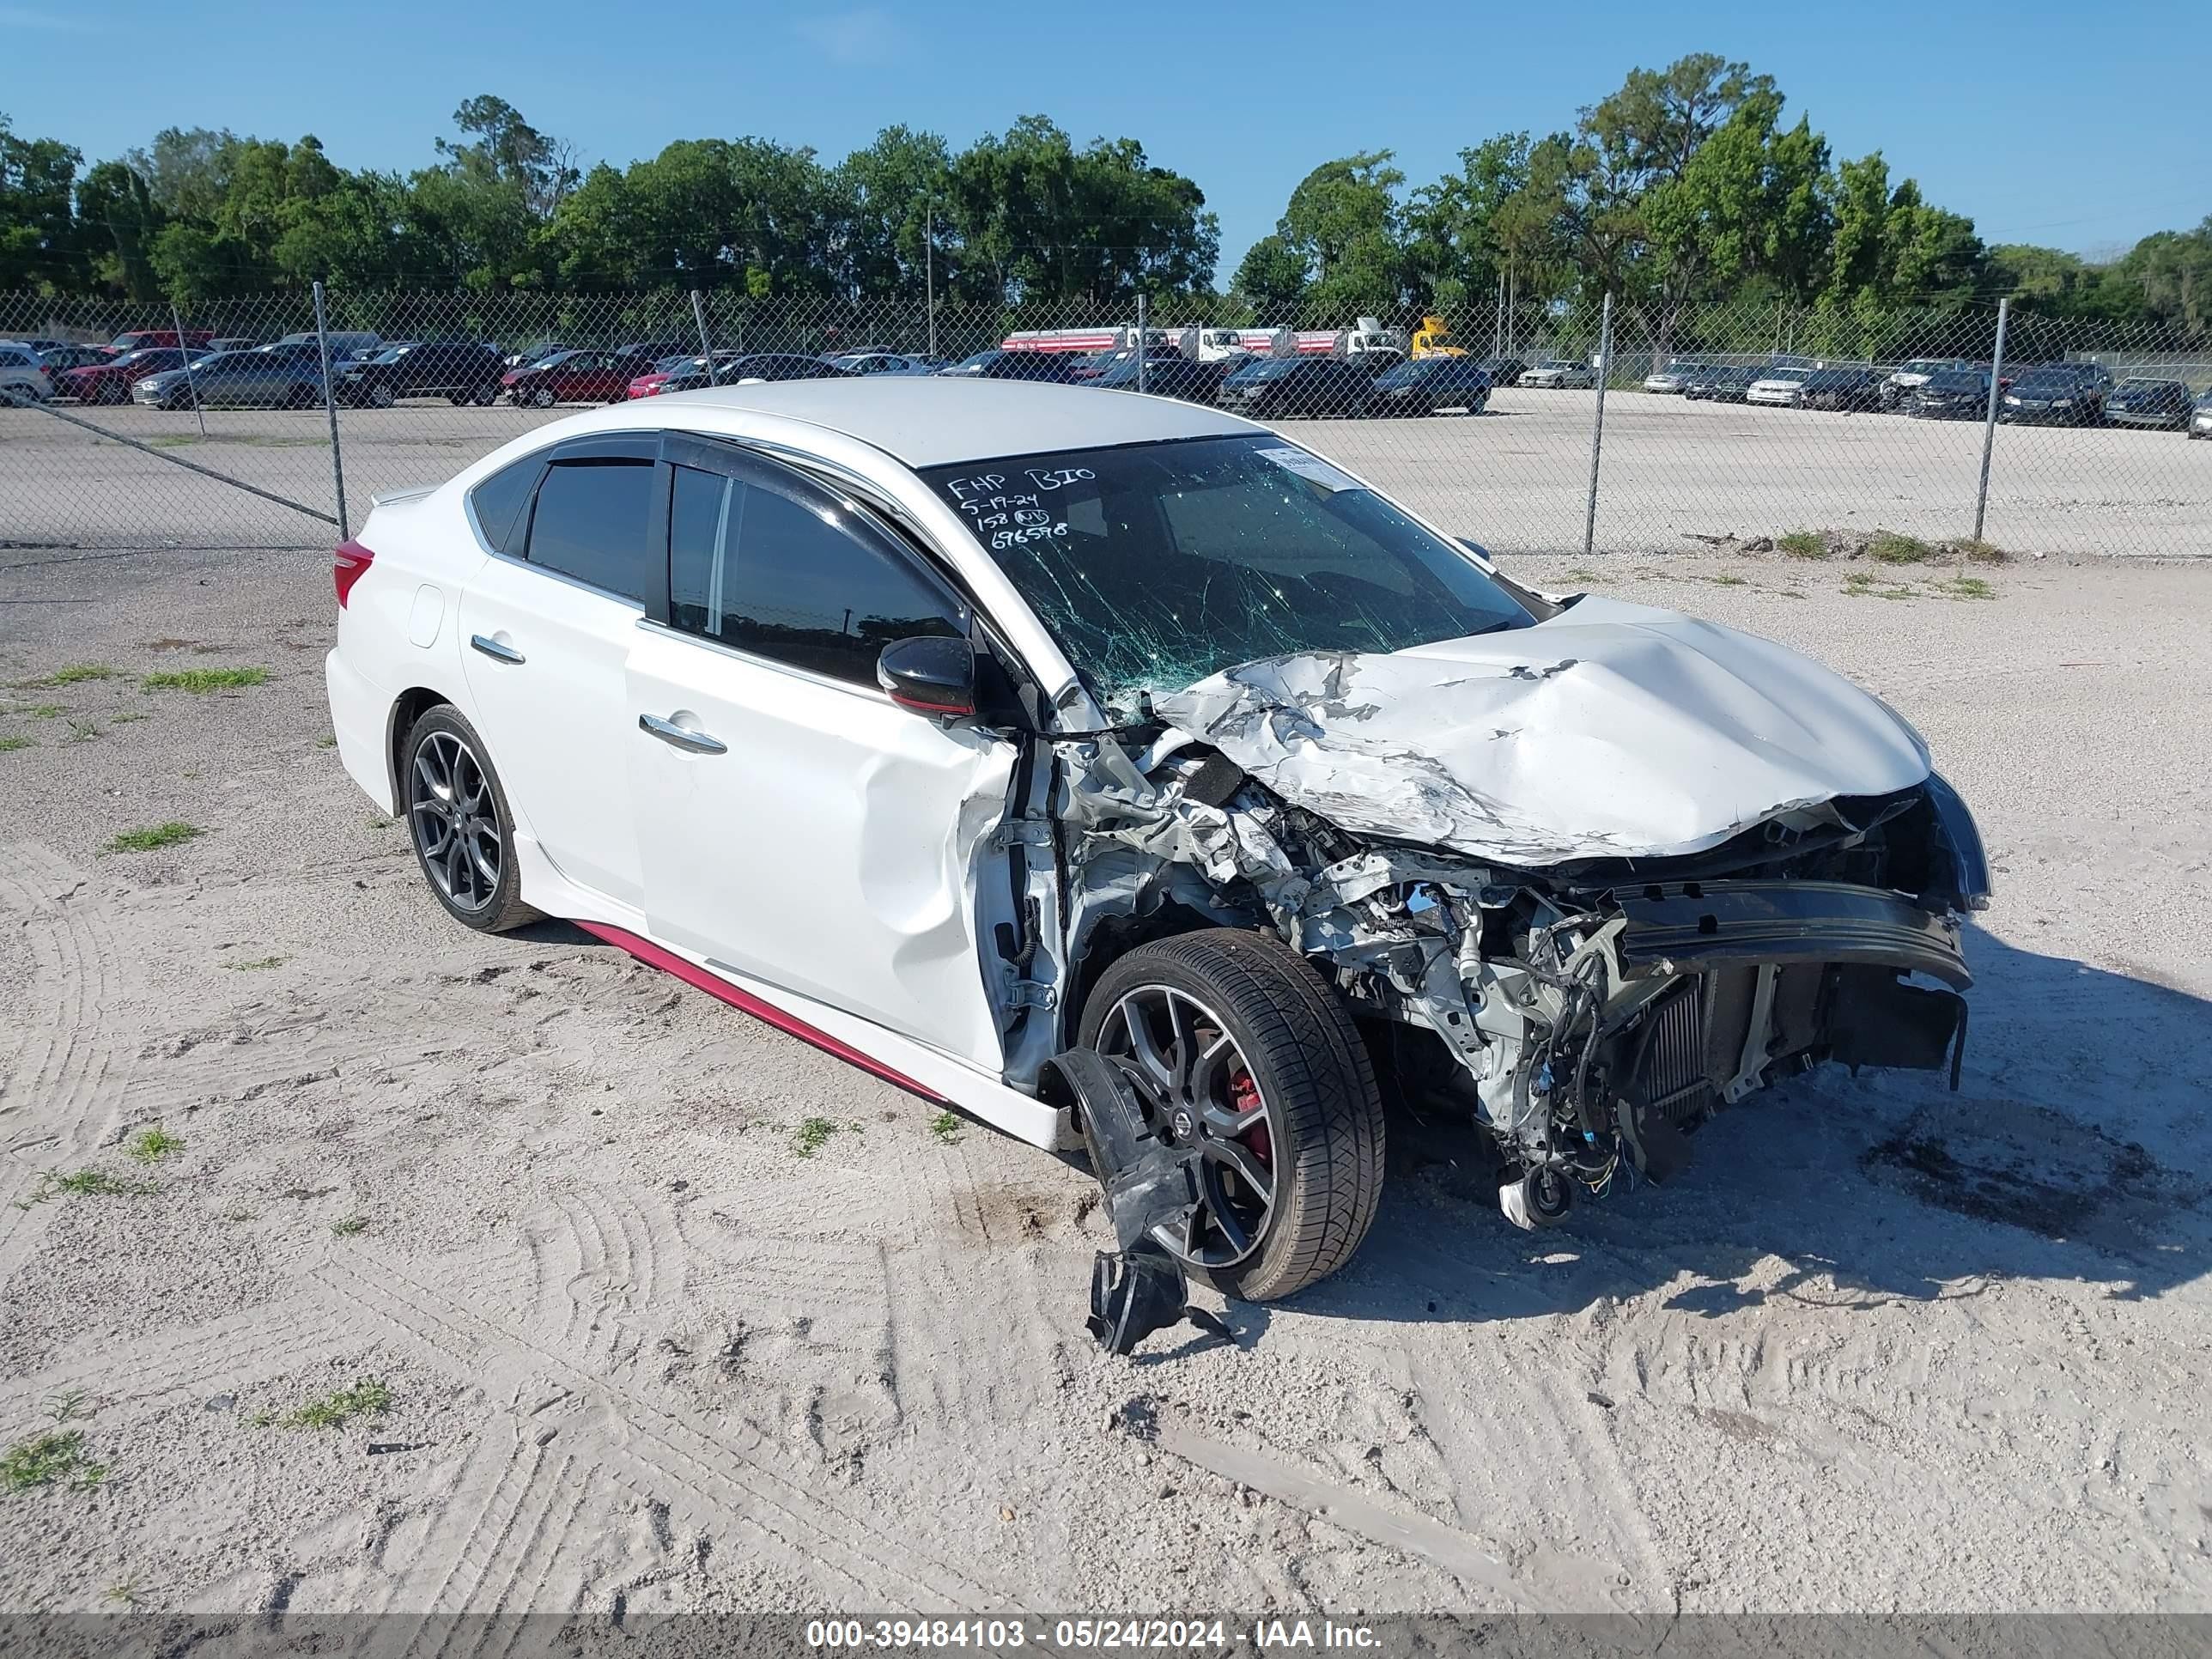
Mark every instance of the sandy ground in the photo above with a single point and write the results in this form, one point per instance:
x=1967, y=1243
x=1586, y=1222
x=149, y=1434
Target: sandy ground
x=1516, y=477
x=1882, y=1347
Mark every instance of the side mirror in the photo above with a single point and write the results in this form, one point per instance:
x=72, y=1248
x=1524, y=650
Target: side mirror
x=931, y=675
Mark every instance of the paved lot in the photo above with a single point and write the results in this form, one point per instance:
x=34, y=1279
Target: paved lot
x=1515, y=477
x=1882, y=1346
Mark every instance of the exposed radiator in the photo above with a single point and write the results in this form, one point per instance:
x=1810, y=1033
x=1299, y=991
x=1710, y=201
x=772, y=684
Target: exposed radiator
x=1671, y=1070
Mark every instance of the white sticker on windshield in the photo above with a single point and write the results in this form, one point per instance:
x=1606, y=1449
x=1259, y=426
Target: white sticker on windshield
x=1309, y=466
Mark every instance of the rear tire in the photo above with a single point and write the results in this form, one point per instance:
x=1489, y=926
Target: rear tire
x=459, y=823
x=1304, y=1066
x=381, y=396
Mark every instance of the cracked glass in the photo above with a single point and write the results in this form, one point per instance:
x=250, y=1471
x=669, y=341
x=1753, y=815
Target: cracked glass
x=1157, y=565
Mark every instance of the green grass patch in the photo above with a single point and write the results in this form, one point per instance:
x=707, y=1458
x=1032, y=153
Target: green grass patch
x=202, y=681
x=1580, y=574
x=171, y=834
x=75, y=672
x=1887, y=547
x=1730, y=581
x=258, y=964
x=64, y=1408
x=1802, y=544
x=84, y=730
x=82, y=1184
x=350, y=1226
x=1979, y=552
x=1968, y=587
x=49, y=1460
x=370, y=1398
x=125, y=716
x=945, y=1125
x=151, y=1145
x=45, y=711
x=326, y=741
x=813, y=1135
x=14, y=741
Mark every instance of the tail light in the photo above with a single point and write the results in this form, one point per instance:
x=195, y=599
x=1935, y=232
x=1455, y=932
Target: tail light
x=349, y=564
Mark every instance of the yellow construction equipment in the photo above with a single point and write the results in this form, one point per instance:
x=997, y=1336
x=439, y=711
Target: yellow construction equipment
x=1433, y=339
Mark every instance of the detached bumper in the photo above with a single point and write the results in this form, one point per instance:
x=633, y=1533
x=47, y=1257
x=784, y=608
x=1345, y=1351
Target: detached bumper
x=1695, y=927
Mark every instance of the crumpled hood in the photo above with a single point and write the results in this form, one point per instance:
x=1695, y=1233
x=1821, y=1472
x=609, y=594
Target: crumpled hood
x=1611, y=730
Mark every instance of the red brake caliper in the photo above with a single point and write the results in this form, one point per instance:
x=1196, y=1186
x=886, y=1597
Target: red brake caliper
x=1244, y=1095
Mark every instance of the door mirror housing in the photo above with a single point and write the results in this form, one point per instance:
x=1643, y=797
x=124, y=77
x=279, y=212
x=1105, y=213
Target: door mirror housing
x=931, y=674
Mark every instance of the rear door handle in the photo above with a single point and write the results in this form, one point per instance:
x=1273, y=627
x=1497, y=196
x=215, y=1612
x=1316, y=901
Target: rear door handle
x=682, y=737
x=495, y=650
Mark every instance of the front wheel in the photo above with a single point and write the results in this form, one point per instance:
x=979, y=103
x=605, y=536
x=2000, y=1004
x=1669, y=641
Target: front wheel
x=458, y=822
x=1244, y=1056
x=381, y=396
x=543, y=398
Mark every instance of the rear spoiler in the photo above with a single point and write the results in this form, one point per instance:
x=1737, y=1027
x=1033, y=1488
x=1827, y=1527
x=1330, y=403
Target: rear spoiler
x=392, y=497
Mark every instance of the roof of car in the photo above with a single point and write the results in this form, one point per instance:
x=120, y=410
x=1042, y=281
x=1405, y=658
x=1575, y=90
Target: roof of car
x=932, y=420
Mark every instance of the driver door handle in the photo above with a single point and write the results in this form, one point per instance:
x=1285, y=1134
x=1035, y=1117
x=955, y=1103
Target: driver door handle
x=682, y=737
x=495, y=650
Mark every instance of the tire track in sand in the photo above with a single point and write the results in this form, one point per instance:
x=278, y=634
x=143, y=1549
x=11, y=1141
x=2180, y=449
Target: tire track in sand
x=61, y=1093
x=656, y=1449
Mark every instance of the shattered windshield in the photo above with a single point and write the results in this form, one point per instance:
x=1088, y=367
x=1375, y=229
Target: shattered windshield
x=1156, y=565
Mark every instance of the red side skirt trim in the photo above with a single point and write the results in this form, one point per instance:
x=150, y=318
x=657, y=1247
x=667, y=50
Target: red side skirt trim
x=669, y=963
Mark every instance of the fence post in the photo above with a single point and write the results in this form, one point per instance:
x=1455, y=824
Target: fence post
x=1989, y=421
x=331, y=409
x=929, y=272
x=1140, y=339
x=706, y=347
x=185, y=352
x=1597, y=426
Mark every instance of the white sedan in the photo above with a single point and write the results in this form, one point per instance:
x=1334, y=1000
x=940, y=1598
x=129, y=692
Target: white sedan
x=1116, y=770
x=1784, y=388
x=1557, y=373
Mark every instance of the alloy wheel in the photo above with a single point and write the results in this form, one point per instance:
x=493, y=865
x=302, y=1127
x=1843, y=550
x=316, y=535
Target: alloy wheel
x=1199, y=1094
x=455, y=820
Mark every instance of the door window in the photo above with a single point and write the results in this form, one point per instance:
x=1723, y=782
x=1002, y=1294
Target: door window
x=590, y=523
x=758, y=570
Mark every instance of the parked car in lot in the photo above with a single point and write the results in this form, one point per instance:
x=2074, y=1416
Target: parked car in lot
x=880, y=362
x=1235, y=778
x=268, y=377
x=2062, y=394
x=2141, y=400
x=1554, y=373
x=1429, y=386
x=1780, y=388
x=57, y=360
x=1901, y=382
x=537, y=353
x=574, y=377
x=460, y=371
x=734, y=369
x=22, y=374
x=1674, y=377
x=1281, y=388
x=2200, y=416
x=110, y=382
x=1054, y=368
x=1951, y=394
x=140, y=340
x=1721, y=383
x=1844, y=389
x=1167, y=374
x=1503, y=371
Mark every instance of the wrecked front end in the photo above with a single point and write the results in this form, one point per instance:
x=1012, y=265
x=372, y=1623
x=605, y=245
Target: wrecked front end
x=1589, y=995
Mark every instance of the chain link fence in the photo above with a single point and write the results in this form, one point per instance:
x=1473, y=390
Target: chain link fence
x=1538, y=428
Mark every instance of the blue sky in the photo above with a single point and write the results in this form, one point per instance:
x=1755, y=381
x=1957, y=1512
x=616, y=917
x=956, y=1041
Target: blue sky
x=2081, y=127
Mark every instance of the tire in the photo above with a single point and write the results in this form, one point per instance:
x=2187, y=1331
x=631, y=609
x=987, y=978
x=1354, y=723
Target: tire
x=486, y=395
x=381, y=396
x=543, y=398
x=430, y=754
x=1306, y=1081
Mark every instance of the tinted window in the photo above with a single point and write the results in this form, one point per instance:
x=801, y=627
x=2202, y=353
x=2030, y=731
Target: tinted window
x=498, y=502
x=758, y=571
x=590, y=522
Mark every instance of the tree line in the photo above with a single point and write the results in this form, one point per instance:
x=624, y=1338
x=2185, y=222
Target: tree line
x=1684, y=189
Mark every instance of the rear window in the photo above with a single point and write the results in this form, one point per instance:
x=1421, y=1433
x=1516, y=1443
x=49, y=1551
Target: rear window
x=498, y=501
